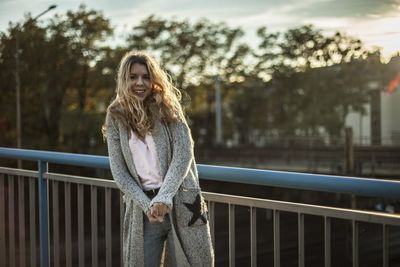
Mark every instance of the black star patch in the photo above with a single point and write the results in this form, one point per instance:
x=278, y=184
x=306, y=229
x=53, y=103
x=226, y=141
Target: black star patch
x=195, y=208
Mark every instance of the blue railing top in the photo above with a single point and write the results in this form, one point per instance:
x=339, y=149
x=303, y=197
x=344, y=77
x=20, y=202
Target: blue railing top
x=56, y=157
x=294, y=180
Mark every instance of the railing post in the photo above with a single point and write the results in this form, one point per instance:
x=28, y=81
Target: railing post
x=253, y=236
x=232, y=230
x=43, y=214
x=300, y=225
x=356, y=244
x=277, y=239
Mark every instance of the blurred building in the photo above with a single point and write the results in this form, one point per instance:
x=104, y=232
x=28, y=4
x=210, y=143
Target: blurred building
x=390, y=120
x=380, y=125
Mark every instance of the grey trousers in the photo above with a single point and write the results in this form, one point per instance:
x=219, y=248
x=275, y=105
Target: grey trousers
x=155, y=236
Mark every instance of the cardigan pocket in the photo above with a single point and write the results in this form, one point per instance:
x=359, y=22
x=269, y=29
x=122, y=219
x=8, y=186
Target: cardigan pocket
x=190, y=207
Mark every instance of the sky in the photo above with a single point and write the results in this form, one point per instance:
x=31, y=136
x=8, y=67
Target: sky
x=375, y=22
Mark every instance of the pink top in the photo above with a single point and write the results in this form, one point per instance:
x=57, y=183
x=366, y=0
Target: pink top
x=145, y=159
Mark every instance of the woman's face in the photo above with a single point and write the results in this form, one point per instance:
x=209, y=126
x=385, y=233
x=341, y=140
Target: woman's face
x=139, y=81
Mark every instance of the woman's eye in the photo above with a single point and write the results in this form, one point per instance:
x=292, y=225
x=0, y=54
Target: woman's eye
x=146, y=77
x=132, y=77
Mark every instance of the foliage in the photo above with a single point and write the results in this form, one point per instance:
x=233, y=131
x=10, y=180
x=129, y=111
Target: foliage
x=316, y=80
x=55, y=73
x=296, y=83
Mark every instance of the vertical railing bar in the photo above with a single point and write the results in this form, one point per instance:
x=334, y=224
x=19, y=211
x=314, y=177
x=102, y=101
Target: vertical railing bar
x=232, y=235
x=327, y=247
x=2, y=221
x=253, y=236
x=56, y=223
x=121, y=227
x=81, y=225
x=50, y=205
x=43, y=214
x=11, y=221
x=355, y=226
x=21, y=221
x=211, y=212
x=301, y=238
x=68, y=231
x=385, y=245
x=32, y=222
x=277, y=246
x=108, y=227
x=93, y=195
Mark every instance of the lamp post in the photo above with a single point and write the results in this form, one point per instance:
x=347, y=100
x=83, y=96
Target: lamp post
x=18, y=79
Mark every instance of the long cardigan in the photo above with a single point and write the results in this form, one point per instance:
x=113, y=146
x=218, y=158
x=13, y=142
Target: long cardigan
x=180, y=191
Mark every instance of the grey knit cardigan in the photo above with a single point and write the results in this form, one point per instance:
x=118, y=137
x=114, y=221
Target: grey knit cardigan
x=174, y=146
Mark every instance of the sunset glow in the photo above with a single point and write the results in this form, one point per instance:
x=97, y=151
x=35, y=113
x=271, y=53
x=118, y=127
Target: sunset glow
x=374, y=22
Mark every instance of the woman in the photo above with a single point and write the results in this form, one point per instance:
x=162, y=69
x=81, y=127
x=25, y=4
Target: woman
x=152, y=162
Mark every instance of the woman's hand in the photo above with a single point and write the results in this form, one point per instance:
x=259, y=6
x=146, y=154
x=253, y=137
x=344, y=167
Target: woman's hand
x=157, y=212
x=152, y=219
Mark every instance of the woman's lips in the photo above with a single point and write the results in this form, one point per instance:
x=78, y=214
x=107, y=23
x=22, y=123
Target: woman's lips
x=140, y=92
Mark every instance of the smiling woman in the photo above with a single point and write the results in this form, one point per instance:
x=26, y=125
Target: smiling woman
x=152, y=162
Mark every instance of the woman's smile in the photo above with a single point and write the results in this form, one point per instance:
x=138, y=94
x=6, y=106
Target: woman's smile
x=140, y=92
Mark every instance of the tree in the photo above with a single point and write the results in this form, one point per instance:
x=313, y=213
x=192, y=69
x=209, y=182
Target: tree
x=316, y=79
x=69, y=47
x=297, y=83
x=86, y=32
x=194, y=54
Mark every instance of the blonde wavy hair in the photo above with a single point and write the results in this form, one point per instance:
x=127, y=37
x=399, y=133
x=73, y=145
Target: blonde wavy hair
x=139, y=115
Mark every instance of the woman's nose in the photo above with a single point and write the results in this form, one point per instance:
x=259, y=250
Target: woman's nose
x=140, y=81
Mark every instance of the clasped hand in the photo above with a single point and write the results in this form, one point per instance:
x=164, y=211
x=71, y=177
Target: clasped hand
x=157, y=212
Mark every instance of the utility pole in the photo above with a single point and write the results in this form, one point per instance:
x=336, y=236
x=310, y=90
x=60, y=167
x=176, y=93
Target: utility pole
x=218, y=111
x=349, y=151
x=18, y=79
x=18, y=90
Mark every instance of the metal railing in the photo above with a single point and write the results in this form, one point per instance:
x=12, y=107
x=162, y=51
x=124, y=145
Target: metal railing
x=76, y=192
